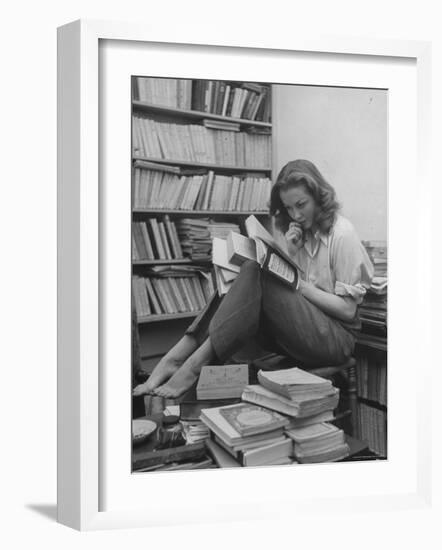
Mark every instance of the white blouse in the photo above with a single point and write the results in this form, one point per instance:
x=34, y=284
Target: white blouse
x=336, y=262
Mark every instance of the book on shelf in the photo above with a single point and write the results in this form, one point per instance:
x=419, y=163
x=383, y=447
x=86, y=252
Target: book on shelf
x=230, y=99
x=165, y=92
x=371, y=381
x=199, y=144
x=170, y=291
x=156, y=189
x=249, y=419
x=196, y=235
x=373, y=428
x=373, y=310
x=260, y=247
x=222, y=381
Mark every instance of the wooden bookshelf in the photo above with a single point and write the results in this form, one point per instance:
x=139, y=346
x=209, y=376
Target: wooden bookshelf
x=166, y=317
x=378, y=343
x=195, y=115
x=372, y=395
x=191, y=213
x=146, y=148
x=214, y=167
x=162, y=262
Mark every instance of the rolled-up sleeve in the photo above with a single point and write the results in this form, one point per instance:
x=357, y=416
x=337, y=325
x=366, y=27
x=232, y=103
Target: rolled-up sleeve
x=352, y=267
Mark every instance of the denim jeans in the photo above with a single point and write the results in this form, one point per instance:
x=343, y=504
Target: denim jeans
x=259, y=307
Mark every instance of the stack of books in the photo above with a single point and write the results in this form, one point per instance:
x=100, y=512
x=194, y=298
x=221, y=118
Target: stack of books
x=172, y=290
x=198, y=144
x=159, y=188
x=373, y=310
x=321, y=442
x=156, y=240
x=254, y=436
x=308, y=400
x=196, y=235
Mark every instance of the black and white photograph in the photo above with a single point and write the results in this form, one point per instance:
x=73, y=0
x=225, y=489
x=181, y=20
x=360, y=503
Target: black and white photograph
x=259, y=273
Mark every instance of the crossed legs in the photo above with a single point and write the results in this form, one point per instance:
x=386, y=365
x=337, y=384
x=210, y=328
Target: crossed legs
x=256, y=301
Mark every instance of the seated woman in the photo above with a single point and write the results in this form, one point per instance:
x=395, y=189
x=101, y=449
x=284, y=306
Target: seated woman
x=313, y=324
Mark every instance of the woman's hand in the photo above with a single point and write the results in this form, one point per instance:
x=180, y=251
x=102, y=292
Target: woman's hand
x=294, y=236
x=340, y=307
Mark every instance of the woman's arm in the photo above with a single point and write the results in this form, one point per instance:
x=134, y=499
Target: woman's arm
x=333, y=305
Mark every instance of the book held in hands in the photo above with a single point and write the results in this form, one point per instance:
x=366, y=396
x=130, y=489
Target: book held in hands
x=260, y=247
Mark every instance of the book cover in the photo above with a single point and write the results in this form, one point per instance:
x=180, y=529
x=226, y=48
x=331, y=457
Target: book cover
x=251, y=420
x=222, y=381
x=216, y=422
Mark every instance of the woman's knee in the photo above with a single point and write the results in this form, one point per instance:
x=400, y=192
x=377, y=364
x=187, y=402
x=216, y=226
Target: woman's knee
x=250, y=267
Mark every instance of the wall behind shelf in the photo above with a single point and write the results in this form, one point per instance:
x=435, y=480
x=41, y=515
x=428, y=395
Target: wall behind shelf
x=344, y=132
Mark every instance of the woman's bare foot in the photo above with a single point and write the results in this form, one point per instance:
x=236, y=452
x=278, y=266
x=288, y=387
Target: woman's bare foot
x=168, y=366
x=186, y=375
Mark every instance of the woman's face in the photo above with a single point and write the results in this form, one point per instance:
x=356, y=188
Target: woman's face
x=300, y=205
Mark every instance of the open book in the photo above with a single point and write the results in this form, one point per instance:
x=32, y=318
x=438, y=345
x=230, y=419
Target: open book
x=259, y=246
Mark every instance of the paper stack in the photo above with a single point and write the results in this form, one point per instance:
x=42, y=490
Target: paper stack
x=196, y=235
x=254, y=436
x=373, y=310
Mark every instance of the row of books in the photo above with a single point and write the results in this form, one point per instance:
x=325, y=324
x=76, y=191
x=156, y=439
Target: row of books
x=246, y=100
x=372, y=376
x=197, y=234
x=158, y=189
x=171, y=291
x=156, y=240
x=281, y=419
x=190, y=238
x=373, y=428
x=167, y=92
x=198, y=144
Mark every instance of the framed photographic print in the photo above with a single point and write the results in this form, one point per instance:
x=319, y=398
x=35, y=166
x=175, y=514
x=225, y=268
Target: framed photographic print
x=230, y=220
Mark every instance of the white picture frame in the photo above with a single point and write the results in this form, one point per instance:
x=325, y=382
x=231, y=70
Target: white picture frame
x=81, y=293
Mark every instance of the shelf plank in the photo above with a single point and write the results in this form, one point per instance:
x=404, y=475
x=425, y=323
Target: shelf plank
x=162, y=262
x=190, y=213
x=380, y=344
x=217, y=167
x=195, y=115
x=166, y=317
